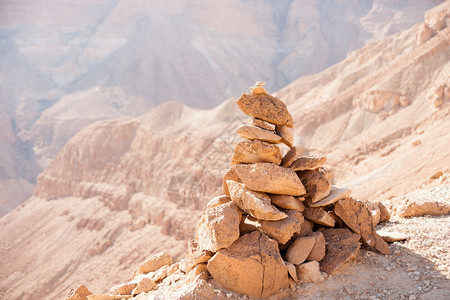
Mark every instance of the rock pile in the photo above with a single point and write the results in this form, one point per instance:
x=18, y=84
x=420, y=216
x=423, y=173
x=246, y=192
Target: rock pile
x=279, y=221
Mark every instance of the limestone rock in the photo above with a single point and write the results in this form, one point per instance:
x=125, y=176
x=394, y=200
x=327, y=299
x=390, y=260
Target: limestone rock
x=424, y=34
x=79, y=293
x=255, y=133
x=260, y=123
x=144, y=286
x=308, y=162
x=194, y=255
x=287, y=202
x=252, y=266
x=216, y=201
x=385, y=215
x=159, y=274
x=310, y=272
x=265, y=107
x=229, y=175
x=218, y=227
x=341, y=245
x=358, y=217
x=199, y=271
x=317, y=183
x=154, y=263
x=417, y=207
x=391, y=237
x=254, y=203
x=300, y=249
x=318, y=250
x=283, y=230
x=123, y=289
x=249, y=152
x=336, y=194
x=319, y=216
x=291, y=155
x=291, y=270
x=286, y=135
x=258, y=88
x=270, y=178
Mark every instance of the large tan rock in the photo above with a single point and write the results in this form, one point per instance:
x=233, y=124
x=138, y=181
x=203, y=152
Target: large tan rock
x=318, y=250
x=252, y=266
x=260, y=123
x=286, y=135
x=79, y=293
x=145, y=285
x=300, y=249
x=392, y=236
x=218, y=227
x=229, y=175
x=317, y=183
x=270, y=178
x=308, y=162
x=194, y=256
x=291, y=155
x=123, y=289
x=336, y=194
x=254, y=203
x=155, y=262
x=288, y=202
x=255, y=133
x=342, y=245
x=265, y=107
x=310, y=272
x=283, y=230
x=249, y=152
x=319, y=216
x=357, y=216
x=416, y=207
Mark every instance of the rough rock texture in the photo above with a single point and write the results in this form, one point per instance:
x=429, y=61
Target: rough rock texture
x=270, y=178
x=291, y=155
x=123, y=289
x=255, y=133
x=318, y=250
x=336, y=194
x=300, y=249
x=310, y=272
x=155, y=262
x=288, y=202
x=144, y=286
x=308, y=162
x=283, y=230
x=216, y=201
x=265, y=107
x=218, y=227
x=307, y=228
x=286, y=135
x=229, y=175
x=317, y=183
x=422, y=207
x=342, y=245
x=78, y=293
x=319, y=216
x=254, y=203
x=194, y=255
x=260, y=123
x=249, y=152
x=358, y=217
x=251, y=266
x=385, y=215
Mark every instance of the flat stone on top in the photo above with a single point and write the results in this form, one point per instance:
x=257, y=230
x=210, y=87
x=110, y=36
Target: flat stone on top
x=270, y=178
x=336, y=194
x=249, y=152
x=260, y=123
x=265, y=107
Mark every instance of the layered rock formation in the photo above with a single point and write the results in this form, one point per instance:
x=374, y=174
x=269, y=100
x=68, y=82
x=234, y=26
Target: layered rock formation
x=249, y=245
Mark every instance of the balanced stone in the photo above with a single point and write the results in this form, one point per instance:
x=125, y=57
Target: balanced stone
x=336, y=194
x=254, y=203
x=288, y=202
x=229, y=175
x=291, y=155
x=319, y=216
x=252, y=266
x=318, y=251
x=300, y=249
x=260, y=123
x=270, y=178
x=308, y=162
x=155, y=262
x=286, y=135
x=265, y=107
x=317, y=183
x=283, y=230
x=250, y=132
x=249, y=152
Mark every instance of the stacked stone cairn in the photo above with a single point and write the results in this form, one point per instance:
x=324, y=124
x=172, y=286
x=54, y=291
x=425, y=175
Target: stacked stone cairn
x=280, y=220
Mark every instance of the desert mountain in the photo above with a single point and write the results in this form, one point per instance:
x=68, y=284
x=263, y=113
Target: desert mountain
x=123, y=189
x=57, y=58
